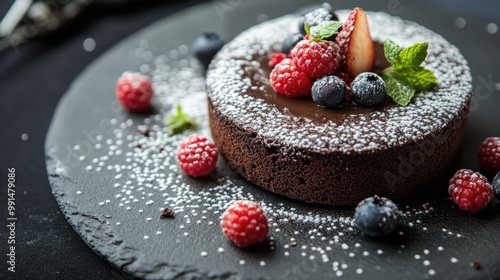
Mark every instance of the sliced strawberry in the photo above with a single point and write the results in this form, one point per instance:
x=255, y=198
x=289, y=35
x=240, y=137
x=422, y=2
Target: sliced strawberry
x=355, y=43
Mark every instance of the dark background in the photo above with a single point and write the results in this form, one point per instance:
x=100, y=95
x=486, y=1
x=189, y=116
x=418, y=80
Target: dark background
x=35, y=75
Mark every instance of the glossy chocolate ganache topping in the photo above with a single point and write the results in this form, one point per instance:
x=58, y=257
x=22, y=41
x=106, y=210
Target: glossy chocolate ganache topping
x=305, y=107
x=238, y=85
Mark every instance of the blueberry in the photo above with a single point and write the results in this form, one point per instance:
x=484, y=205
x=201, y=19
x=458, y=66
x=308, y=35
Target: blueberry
x=329, y=91
x=376, y=216
x=290, y=42
x=496, y=185
x=317, y=16
x=206, y=46
x=368, y=89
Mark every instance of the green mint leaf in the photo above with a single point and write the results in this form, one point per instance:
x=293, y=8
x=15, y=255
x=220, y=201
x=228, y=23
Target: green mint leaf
x=391, y=51
x=397, y=89
x=419, y=78
x=325, y=29
x=307, y=28
x=425, y=80
x=406, y=77
x=412, y=56
x=179, y=121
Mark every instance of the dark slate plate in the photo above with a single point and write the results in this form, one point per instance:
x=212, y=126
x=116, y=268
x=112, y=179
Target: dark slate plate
x=112, y=181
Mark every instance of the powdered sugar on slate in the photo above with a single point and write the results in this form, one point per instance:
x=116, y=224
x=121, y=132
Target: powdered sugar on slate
x=147, y=176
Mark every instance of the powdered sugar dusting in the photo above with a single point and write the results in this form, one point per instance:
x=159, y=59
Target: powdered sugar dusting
x=140, y=160
x=383, y=129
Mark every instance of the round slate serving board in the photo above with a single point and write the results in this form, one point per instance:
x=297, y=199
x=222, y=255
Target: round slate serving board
x=111, y=177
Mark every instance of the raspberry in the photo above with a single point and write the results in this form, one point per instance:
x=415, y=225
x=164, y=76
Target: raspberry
x=316, y=59
x=489, y=155
x=197, y=156
x=244, y=223
x=288, y=80
x=470, y=190
x=134, y=91
x=276, y=58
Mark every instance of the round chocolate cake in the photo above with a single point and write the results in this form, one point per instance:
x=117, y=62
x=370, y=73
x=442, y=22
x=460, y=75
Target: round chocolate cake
x=294, y=148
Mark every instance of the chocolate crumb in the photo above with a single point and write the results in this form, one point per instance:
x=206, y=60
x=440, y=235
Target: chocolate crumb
x=160, y=149
x=167, y=213
x=144, y=131
x=476, y=264
x=137, y=145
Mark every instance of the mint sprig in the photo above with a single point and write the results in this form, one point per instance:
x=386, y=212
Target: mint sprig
x=324, y=30
x=179, y=121
x=406, y=77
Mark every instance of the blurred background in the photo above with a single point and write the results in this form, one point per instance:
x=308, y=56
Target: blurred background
x=37, y=67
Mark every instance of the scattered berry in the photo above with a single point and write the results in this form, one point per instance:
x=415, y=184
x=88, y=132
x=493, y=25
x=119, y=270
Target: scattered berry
x=376, y=216
x=244, y=223
x=134, y=91
x=329, y=91
x=197, y=156
x=470, y=190
x=316, y=59
x=368, y=89
x=356, y=45
x=317, y=16
x=206, y=46
x=290, y=42
x=288, y=80
x=276, y=58
x=489, y=155
x=496, y=185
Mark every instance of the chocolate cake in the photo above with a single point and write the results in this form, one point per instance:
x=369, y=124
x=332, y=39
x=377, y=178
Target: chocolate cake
x=294, y=148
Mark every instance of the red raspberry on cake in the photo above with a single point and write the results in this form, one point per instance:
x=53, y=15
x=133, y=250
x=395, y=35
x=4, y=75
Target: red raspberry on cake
x=244, y=223
x=276, y=58
x=489, y=154
x=134, y=91
x=197, y=156
x=470, y=190
x=288, y=80
x=316, y=58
